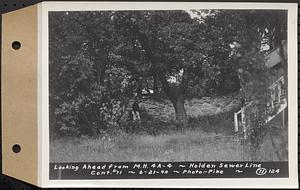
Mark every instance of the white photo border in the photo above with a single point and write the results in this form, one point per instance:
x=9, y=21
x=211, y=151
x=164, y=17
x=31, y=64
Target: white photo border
x=43, y=99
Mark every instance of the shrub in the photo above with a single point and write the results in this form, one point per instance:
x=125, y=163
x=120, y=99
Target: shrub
x=218, y=123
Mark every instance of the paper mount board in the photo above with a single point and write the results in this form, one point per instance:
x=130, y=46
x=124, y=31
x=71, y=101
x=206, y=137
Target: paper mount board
x=24, y=74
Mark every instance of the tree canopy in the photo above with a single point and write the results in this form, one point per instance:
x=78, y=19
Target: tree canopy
x=100, y=59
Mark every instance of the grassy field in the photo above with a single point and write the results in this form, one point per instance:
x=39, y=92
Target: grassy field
x=208, y=137
x=190, y=145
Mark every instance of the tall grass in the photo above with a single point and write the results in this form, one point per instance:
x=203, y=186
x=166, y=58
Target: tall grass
x=190, y=145
x=208, y=137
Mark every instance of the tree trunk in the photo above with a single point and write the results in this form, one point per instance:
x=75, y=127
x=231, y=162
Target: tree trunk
x=180, y=112
x=102, y=69
x=155, y=86
x=139, y=89
x=176, y=95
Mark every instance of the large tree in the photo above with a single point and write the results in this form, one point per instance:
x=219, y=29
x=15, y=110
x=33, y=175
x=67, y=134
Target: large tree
x=173, y=48
x=86, y=89
x=98, y=58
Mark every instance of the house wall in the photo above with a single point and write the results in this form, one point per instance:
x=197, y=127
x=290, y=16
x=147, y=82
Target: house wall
x=275, y=144
x=276, y=65
x=277, y=72
x=281, y=119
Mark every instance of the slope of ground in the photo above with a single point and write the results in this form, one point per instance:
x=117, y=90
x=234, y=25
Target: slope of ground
x=201, y=140
x=205, y=106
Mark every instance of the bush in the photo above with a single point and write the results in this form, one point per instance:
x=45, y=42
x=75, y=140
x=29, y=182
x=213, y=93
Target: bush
x=218, y=123
x=148, y=125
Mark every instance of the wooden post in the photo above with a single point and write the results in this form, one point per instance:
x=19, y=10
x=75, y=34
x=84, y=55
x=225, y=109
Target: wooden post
x=236, y=123
x=243, y=118
x=283, y=119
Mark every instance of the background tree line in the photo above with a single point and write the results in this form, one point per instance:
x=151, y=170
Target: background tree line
x=99, y=59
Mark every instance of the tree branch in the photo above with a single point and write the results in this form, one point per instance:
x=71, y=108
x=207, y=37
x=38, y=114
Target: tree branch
x=184, y=82
x=166, y=86
x=142, y=38
x=130, y=65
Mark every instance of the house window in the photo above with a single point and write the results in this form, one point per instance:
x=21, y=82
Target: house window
x=277, y=92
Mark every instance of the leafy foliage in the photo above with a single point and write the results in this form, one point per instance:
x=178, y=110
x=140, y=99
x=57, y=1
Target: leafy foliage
x=84, y=94
x=259, y=30
x=100, y=59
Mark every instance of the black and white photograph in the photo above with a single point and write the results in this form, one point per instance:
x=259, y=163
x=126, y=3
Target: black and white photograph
x=123, y=94
x=168, y=86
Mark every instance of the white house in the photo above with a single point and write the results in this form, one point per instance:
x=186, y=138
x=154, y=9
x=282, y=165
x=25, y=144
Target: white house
x=278, y=102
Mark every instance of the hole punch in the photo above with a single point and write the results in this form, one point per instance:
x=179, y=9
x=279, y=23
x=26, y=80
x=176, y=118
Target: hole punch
x=16, y=148
x=16, y=45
